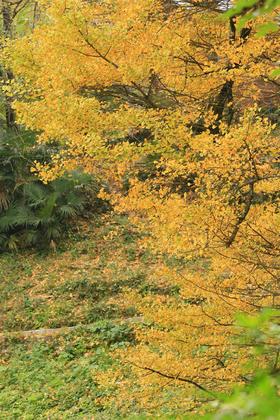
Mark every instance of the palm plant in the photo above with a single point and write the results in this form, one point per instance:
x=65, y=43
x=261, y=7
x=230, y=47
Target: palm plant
x=32, y=213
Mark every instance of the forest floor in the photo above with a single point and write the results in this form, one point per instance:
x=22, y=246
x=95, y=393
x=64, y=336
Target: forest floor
x=57, y=324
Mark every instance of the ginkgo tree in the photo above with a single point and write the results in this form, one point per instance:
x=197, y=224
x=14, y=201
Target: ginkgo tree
x=128, y=85
x=87, y=55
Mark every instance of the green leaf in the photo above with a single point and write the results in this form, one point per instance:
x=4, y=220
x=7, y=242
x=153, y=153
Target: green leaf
x=47, y=211
x=267, y=28
x=34, y=194
x=67, y=211
x=239, y=7
x=275, y=73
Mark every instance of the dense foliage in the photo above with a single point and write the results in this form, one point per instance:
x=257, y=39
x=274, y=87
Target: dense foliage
x=175, y=105
x=31, y=212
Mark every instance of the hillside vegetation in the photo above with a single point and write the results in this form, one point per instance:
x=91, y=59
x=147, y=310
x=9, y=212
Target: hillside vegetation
x=49, y=372
x=139, y=209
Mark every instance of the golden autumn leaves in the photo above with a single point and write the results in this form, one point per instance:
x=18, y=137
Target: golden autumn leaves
x=98, y=69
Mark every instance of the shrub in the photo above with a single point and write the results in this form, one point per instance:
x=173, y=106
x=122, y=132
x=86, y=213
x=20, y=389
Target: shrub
x=33, y=213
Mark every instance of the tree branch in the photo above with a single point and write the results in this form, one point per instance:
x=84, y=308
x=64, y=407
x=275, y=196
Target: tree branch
x=177, y=378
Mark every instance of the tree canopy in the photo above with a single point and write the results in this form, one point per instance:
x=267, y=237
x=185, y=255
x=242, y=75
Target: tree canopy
x=168, y=102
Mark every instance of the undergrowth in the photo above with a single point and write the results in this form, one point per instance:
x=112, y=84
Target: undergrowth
x=53, y=375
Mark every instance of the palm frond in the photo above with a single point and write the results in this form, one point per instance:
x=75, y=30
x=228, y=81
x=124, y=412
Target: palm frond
x=30, y=237
x=35, y=194
x=12, y=243
x=53, y=232
x=46, y=211
x=67, y=211
x=16, y=217
x=4, y=200
x=31, y=213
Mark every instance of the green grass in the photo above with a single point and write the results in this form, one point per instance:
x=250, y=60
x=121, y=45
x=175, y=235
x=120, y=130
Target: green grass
x=52, y=379
x=53, y=376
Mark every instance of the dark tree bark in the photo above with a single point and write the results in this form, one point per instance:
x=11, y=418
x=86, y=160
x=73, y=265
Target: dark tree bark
x=225, y=97
x=8, y=75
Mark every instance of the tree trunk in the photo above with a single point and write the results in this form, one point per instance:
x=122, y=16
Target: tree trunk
x=8, y=75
